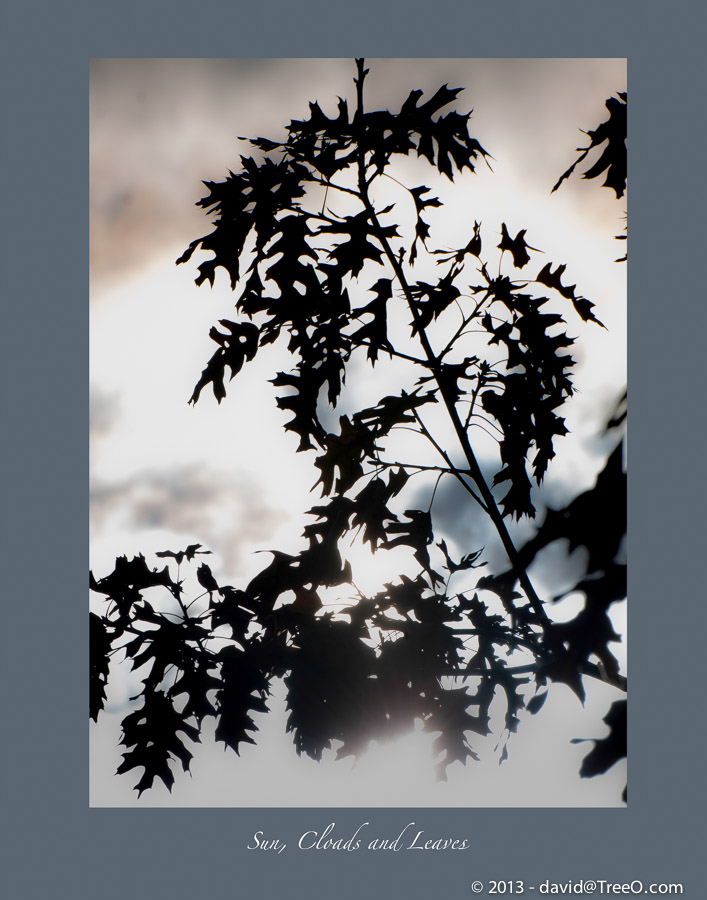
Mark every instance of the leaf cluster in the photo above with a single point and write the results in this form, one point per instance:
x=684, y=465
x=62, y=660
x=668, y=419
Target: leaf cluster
x=369, y=670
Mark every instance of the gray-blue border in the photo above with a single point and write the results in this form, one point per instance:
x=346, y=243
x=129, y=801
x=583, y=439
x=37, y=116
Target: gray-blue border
x=53, y=843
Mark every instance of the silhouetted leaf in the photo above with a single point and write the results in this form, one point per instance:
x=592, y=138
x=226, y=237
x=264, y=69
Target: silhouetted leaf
x=422, y=229
x=321, y=564
x=452, y=720
x=234, y=349
x=180, y=555
x=613, y=158
x=244, y=687
x=375, y=332
x=196, y=681
x=344, y=452
x=206, y=578
x=432, y=300
x=473, y=248
x=581, y=304
x=564, y=669
x=330, y=690
x=609, y=750
x=371, y=512
x=170, y=645
x=469, y=561
x=535, y=704
x=233, y=608
x=99, y=664
x=281, y=575
x=584, y=522
x=350, y=255
x=517, y=247
x=125, y=583
x=392, y=411
x=152, y=731
x=307, y=384
x=417, y=533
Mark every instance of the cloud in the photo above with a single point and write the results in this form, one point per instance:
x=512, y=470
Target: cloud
x=104, y=412
x=227, y=515
x=160, y=126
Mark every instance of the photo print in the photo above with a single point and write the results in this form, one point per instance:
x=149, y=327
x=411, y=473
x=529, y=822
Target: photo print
x=358, y=483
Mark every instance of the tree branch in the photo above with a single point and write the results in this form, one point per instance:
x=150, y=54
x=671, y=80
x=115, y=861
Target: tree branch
x=435, y=366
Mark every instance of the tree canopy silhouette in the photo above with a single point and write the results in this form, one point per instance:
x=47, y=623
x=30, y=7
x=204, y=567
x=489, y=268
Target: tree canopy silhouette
x=483, y=365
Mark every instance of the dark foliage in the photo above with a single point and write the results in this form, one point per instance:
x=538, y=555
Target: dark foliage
x=299, y=234
x=612, y=159
x=611, y=749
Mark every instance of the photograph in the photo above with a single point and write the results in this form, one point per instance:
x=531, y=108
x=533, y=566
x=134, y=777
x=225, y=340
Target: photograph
x=358, y=403
x=323, y=494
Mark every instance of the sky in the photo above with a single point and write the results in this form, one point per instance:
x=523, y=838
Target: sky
x=165, y=474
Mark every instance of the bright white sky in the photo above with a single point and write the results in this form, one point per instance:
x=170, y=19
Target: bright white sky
x=165, y=474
